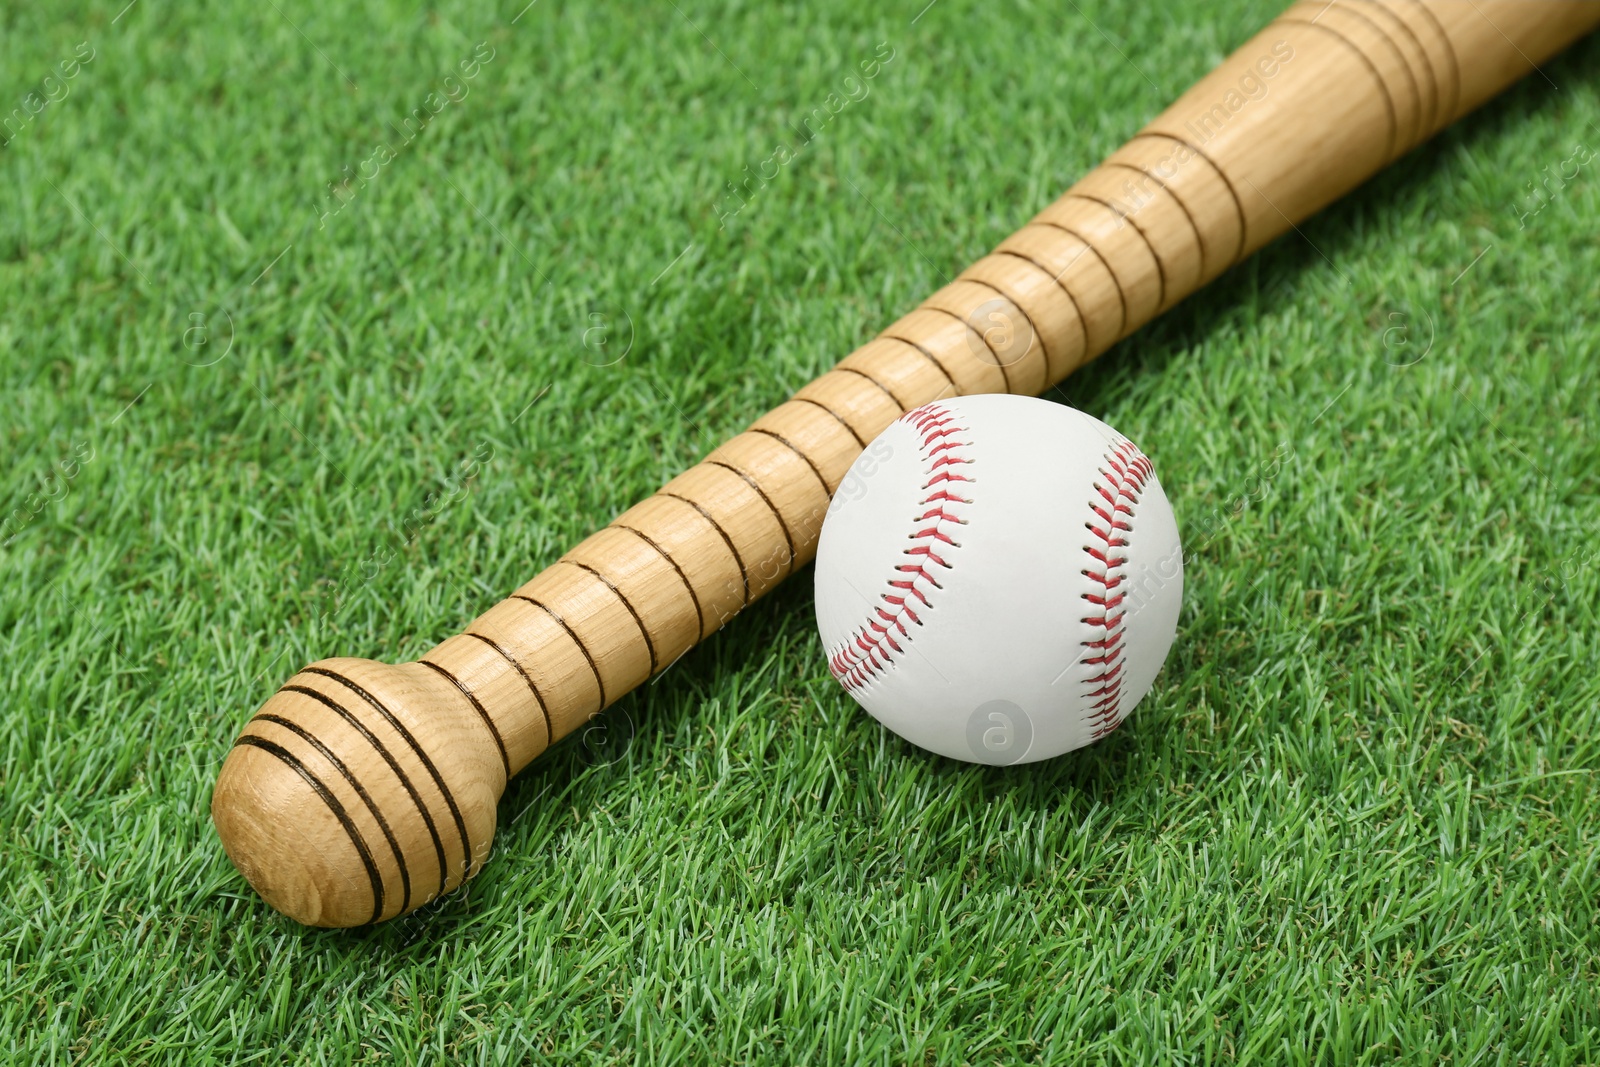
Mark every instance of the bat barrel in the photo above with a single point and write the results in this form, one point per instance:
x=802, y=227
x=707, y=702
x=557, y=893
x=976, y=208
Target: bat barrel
x=361, y=791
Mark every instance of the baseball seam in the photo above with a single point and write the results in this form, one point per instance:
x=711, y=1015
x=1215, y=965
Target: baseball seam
x=1116, y=492
x=872, y=646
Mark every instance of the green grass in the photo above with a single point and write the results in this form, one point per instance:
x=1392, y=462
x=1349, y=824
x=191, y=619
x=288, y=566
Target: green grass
x=1356, y=820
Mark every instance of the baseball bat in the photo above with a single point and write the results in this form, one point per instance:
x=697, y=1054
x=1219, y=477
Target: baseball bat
x=361, y=791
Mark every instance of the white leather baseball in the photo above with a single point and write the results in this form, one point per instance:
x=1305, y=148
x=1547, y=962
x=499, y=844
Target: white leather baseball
x=998, y=578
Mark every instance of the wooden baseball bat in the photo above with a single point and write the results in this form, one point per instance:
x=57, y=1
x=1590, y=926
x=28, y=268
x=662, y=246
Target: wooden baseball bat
x=361, y=790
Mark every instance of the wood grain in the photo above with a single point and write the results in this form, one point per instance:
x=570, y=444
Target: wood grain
x=361, y=791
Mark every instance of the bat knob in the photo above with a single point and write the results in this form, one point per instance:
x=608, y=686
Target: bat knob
x=360, y=791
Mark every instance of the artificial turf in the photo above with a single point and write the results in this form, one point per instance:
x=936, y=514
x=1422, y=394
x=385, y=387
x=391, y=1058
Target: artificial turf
x=1355, y=821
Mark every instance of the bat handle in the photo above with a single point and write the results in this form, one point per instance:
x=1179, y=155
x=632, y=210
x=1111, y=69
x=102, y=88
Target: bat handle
x=362, y=790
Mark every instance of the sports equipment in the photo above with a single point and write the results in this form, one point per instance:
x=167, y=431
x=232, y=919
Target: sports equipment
x=998, y=578
x=361, y=790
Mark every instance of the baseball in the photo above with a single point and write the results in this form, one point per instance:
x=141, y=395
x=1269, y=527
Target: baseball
x=998, y=578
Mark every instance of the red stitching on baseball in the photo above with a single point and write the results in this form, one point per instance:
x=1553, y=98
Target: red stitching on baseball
x=858, y=661
x=1120, y=489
